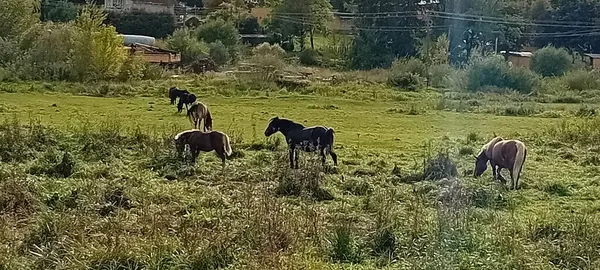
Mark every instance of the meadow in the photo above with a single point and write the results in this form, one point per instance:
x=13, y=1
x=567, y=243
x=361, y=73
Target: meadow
x=89, y=180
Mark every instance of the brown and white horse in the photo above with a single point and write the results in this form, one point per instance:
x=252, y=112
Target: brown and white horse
x=509, y=154
x=204, y=142
x=199, y=112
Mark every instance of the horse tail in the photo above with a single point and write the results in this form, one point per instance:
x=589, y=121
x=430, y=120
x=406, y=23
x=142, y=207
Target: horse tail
x=226, y=145
x=208, y=120
x=519, y=162
x=329, y=134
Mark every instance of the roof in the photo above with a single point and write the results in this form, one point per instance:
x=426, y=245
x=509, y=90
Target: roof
x=152, y=49
x=521, y=54
x=593, y=55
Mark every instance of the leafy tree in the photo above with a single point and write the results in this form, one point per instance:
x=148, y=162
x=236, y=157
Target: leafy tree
x=551, y=61
x=218, y=29
x=380, y=40
x=138, y=22
x=219, y=53
x=299, y=18
x=99, y=54
x=189, y=46
x=17, y=16
x=58, y=11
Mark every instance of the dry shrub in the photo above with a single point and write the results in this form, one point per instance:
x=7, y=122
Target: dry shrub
x=17, y=195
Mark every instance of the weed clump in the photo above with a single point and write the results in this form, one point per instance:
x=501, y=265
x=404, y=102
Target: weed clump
x=440, y=167
x=216, y=256
x=343, y=246
x=358, y=187
x=303, y=181
x=384, y=243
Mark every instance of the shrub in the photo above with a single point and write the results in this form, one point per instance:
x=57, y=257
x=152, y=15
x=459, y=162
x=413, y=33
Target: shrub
x=486, y=72
x=408, y=81
x=191, y=49
x=411, y=65
x=521, y=79
x=439, y=75
x=580, y=80
x=133, y=69
x=219, y=53
x=310, y=57
x=551, y=61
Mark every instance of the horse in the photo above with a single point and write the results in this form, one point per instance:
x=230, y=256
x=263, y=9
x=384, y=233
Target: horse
x=205, y=142
x=509, y=154
x=197, y=113
x=307, y=139
x=185, y=98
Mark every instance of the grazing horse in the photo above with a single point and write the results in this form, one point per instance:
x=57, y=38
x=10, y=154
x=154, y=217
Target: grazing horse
x=307, y=139
x=204, y=142
x=509, y=154
x=185, y=98
x=199, y=112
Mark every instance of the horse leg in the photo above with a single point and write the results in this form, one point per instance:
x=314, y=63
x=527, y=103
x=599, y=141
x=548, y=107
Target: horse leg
x=323, y=156
x=195, y=154
x=291, y=157
x=297, y=153
x=500, y=177
x=221, y=154
x=512, y=180
x=333, y=156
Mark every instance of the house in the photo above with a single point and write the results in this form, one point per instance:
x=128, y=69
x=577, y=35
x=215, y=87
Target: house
x=593, y=60
x=153, y=6
x=260, y=13
x=518, y=59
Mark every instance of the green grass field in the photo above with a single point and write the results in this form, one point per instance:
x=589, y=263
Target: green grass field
x=260, y=215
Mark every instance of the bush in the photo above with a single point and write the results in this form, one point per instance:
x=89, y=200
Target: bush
x=439, y=75
x=580, y=80
x=133, y=69
x=218, y=53
x=408, y=81
x=550, y=61
x=58, y=11
x=493, y=72
x=411, y=65
x=344, y=248
x=486, y=72
x=191, y=49
x=520, y=79
x=310, y=57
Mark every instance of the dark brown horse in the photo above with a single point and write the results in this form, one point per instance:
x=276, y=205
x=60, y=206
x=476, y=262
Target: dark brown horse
x=185, y=98
x=204, y=142
x=307, y=139
x=502, y=154
x=199, y=112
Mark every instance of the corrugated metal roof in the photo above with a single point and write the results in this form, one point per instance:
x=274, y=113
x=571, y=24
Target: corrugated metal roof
x=593, y=55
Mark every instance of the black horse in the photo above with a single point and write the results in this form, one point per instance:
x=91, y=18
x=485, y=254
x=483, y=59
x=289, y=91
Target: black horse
x=185, y=98
x=307, y=139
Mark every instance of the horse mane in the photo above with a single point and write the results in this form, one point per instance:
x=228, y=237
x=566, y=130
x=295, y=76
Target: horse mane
x=184, y=132
x=283, y=122
x=487, y=148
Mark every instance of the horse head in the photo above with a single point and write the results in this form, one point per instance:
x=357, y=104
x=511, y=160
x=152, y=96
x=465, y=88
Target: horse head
x=480, y=164
x=273, y=126
x=173, y=94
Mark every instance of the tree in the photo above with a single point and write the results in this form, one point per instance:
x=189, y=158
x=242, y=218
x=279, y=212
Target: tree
x=17, y=16
x=158, y=25
x=380, y=39
x=189, y=46
x=58, y=11
x=299, y=18
x=551, y=61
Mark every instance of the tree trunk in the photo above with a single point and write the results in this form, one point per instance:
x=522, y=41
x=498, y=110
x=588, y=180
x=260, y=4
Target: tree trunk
x=312, y=41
